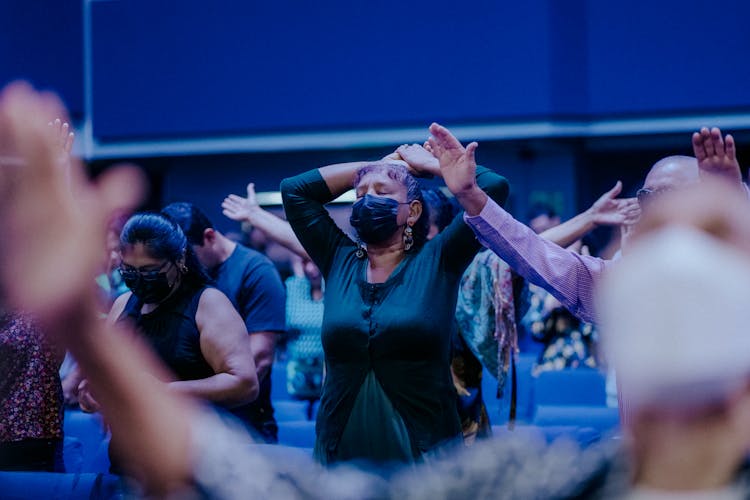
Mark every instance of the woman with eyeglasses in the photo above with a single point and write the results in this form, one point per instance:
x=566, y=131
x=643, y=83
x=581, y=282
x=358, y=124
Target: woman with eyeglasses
x=192, y=326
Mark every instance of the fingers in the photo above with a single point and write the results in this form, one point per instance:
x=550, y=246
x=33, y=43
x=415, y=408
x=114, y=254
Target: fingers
x=251, y=193
x=435, y=148
x=698, y=150
x=717, y=143
x=120, y=189
x=235, y=199
x=615, y=191
x=69, y=140
x=443, y=137
x=470, y=149
x=707, y=142
x=22, y=110
x=730, y=148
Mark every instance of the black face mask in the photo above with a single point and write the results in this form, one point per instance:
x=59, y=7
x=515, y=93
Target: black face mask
x=151, y=290
x=375, y=218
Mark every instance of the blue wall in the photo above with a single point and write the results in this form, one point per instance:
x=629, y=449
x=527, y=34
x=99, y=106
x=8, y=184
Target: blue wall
x=197, y=69
x=218, y=67
x=42, y=41
x=668, y=56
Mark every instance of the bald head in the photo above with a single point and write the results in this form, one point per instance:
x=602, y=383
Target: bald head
x=672, y=172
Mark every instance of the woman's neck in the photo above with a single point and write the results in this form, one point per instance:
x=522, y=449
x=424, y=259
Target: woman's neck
x=383, y=260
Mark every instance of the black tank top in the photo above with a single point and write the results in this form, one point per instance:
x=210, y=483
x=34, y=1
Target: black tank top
x=172, y=331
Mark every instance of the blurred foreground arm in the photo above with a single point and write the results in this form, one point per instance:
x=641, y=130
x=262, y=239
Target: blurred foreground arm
x=48, y=268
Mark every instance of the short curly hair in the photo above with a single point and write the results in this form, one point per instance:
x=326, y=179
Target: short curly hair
x=400, y=174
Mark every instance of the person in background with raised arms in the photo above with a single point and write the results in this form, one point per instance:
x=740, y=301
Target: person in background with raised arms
x=304, y=304
x=568, y=276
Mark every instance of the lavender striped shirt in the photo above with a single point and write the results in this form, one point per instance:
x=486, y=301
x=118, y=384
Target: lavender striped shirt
x=569, y=277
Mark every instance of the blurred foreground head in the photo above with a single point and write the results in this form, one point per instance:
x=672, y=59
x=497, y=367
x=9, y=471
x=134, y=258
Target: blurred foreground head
x=673, y=312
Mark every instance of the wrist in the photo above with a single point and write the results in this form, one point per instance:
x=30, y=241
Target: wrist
x=472, y=199
x=589, y=220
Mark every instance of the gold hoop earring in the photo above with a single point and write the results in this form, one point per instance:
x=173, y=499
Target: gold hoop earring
x=408, y=238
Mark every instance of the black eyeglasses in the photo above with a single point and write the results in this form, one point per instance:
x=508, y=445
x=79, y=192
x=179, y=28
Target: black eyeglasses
x=130, y=273
x=644, y=195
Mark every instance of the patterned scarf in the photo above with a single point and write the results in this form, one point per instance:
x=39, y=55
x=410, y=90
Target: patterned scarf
x=486, y=314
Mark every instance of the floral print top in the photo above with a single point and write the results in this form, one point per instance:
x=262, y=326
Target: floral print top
x=31, y=400
x=568, y=342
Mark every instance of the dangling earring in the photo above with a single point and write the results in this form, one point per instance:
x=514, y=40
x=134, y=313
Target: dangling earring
x=182, y=268
x=360, y=250
x=408, y=238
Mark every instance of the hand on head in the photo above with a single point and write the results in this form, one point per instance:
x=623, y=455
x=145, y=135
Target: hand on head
x=54, y=221
x=421, y=162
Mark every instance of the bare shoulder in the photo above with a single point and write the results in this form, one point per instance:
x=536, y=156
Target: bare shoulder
x=215, y=309
x=213, y=297
x=118, y=307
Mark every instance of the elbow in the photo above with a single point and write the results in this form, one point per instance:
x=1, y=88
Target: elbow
x=499, y=190
x=288, y=187
x=251, y=388
x=246, y=389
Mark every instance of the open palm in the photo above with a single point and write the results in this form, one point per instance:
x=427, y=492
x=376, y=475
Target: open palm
x=55, y=220
x=457, y=164
x=716, y=156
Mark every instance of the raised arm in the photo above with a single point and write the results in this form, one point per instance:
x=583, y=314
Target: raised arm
x=608, y=210
x=248, y=210
x=717, y=156
x=305, y=196
x=50, y=273
x=566, y=275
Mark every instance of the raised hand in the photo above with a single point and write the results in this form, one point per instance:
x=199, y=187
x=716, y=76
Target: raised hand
x=65, y=137
x=717, y=156
x=239, y=208
x=457, y=164
x=54, y=219
x=422, y=163
x=458, y=168
x=609, y=210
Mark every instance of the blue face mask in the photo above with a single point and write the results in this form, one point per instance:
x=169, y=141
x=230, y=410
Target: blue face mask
x=375, y=218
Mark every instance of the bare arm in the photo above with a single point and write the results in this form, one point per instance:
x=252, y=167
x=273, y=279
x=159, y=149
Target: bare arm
x=139, y=408
x=263, y=346
x=607, y=210
x=340, y=177
x=248, y=210
x=226, y=347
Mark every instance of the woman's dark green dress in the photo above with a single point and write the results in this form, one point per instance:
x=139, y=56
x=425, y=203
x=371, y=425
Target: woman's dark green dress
x=388, y=393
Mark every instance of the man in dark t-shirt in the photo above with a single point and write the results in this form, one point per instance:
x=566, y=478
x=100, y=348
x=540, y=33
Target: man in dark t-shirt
x=252, y=283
